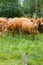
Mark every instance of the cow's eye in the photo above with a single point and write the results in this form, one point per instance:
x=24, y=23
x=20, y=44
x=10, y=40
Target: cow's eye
x=31, y=20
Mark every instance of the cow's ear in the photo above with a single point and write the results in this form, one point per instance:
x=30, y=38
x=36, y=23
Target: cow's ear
x=42, y=19
x=31, y=20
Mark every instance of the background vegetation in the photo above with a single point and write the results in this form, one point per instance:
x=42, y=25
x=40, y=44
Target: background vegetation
x=18, y=8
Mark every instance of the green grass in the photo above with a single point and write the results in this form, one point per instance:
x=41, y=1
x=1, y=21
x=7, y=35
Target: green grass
x=11, y=49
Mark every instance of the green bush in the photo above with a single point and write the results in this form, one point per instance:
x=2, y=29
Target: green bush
x=10, y=9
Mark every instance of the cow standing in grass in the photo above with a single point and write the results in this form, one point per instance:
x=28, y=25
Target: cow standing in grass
x=3, y=23
x=30, y=26
x=12, y=25
x=22, y=25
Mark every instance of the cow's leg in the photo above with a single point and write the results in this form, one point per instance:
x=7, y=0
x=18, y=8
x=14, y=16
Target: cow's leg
x=20, y=33
x=7, y=32
x=12, y=32
x=32, y=37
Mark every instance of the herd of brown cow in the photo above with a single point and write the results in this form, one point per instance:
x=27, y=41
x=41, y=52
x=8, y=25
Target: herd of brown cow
x=21, y=25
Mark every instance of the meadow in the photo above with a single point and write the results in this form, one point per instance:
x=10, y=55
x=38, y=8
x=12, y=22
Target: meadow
x=11, y=49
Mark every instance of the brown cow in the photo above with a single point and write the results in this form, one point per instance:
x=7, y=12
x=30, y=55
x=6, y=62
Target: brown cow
x=21, y=25
x=30, y=26
x=14, y=24
x=11, y=26
x=3, y=22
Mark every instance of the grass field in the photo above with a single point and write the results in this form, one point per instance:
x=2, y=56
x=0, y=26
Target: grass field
x=11, y=49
